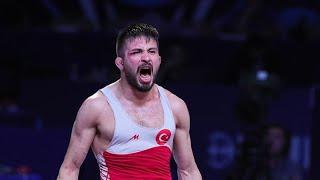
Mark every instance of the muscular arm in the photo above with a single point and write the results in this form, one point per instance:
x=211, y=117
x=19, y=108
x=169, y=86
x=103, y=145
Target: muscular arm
x=82, y=135
x=182, y=151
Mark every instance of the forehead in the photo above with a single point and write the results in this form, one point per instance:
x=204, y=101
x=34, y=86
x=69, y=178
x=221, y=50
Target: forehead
x=141, y=42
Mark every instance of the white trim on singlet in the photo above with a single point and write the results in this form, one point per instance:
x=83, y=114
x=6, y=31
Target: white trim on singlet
x=104, y=171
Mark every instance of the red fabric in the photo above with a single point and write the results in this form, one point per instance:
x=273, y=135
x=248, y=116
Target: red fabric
x=150, y=164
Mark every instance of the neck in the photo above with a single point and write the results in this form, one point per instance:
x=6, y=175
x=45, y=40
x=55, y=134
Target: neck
x=131, y=94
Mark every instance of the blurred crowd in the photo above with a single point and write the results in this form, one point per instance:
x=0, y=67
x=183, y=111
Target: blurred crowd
x=257, y=25
x=284, y=19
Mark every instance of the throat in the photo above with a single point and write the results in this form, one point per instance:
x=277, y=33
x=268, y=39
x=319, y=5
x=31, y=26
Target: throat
x=131, y=93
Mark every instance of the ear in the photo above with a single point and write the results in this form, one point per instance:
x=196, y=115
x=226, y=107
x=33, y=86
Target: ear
x=119, y=62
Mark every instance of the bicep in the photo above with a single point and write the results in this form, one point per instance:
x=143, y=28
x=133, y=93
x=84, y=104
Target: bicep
x=82, y=135
x=182, y=150
x=79, y=145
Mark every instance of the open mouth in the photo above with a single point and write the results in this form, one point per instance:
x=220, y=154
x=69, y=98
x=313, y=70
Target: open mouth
x=145, y=73
x=145, y=70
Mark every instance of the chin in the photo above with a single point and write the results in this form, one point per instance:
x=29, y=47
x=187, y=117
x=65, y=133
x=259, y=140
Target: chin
x=145, y=88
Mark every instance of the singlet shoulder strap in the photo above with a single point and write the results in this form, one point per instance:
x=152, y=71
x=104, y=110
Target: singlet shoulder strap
x=110, y=97
x=113, y=101
x=165, y=103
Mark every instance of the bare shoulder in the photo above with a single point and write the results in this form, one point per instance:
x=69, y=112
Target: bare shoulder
x=176, y=102
x=179, y=108
x=97, y=101
x=93, y=107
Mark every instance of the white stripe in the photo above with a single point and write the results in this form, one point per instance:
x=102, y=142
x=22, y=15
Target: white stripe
x=104, y=175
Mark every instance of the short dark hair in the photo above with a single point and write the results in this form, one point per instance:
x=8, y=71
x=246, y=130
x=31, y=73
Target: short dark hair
x=132, y=31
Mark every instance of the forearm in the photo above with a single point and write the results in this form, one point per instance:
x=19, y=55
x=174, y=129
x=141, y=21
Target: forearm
x=68, y=174
x=192, y=174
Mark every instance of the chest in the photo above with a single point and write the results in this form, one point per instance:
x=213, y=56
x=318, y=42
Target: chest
x=148, y=115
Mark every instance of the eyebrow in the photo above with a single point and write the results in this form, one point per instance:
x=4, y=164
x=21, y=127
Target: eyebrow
x=135, y=49
x=153, y=48
x=139, y=49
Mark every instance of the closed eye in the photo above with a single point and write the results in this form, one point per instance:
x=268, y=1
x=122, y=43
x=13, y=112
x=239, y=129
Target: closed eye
x=153, y=51
x=135, y=52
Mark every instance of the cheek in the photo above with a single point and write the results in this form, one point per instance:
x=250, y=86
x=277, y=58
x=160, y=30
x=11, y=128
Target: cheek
x=156, y=66
x=127, y=68
x=157, y=62
x=130, y=64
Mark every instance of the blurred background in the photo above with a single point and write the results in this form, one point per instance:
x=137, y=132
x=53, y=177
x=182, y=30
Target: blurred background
x=240, y=65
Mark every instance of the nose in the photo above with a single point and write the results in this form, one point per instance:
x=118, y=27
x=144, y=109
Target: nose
x=146, y=57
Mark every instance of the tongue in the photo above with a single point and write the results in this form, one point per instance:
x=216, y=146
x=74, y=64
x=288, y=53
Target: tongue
x=145, y=79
